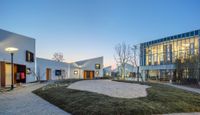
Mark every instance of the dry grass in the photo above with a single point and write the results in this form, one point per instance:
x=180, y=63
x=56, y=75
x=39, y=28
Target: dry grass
x=160, y=99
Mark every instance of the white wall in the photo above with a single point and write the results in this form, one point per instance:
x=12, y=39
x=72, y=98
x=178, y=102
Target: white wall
x=23, y=43
x=43, y=64
x=88, y=64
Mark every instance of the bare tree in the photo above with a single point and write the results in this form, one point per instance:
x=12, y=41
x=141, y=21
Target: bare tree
x=187, y=70
x=135, y=60
x=134, y=56
x=122, y=57
x=58, y=56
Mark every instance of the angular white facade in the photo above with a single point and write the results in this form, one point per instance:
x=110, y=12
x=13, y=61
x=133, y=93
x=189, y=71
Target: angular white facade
x=24, y=45
x=29, y=69
x=52, y=70
x=82, y=69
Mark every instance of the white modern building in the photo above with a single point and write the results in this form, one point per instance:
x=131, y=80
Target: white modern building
x=87, y=69
x=52, y=70
x=28, y=68
x=24, y=58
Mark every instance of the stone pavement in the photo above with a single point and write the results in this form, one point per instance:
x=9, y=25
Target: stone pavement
x=185, y=88
x=22, y=101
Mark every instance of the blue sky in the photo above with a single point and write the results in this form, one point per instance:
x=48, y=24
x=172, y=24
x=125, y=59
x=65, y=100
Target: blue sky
x=84, y=29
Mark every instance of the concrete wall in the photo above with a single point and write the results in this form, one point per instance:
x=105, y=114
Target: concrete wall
x=88, y=64
x=23, y=43
x=43, y=64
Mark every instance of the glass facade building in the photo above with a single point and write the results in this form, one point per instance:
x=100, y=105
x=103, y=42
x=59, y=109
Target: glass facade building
x=157, y=57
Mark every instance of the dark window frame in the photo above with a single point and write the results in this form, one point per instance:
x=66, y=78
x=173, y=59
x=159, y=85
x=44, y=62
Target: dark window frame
x=98, y=67
x=29, y=56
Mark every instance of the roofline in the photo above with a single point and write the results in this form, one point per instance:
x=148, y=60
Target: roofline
x=172, y=37
x=49, y=60
x=87, y=59
x=17, y=34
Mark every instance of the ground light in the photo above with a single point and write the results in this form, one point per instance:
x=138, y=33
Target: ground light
x=11, y=50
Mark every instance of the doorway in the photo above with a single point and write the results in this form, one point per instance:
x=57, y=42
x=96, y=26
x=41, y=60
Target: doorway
x=19, y=74
x=88, y=74
x=48, y=74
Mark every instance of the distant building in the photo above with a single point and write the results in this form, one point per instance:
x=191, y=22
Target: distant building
x=52, y=70
x=107, y=71
x=87, y=69
x=130, y=71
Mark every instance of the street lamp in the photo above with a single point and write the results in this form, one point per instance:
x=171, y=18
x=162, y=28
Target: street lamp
x=11, y=50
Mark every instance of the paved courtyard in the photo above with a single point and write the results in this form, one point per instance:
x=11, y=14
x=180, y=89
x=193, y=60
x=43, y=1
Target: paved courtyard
x=111, y=88
x=195, y=90
x=22, y=102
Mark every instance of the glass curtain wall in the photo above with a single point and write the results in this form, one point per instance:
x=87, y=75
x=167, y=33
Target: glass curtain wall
x=167, y=52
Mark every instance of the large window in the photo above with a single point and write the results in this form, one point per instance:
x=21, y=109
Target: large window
x=167, y=52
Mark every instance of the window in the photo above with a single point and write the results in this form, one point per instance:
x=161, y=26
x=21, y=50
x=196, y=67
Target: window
x=97, y=73
x=191, y=33
x=58, y=72
x=196, y=32
x=192, y=48
x=196, y=45
x=28, y=70
x=29, y=56
x=187, y=34
x=97, y=66
x=75, y=72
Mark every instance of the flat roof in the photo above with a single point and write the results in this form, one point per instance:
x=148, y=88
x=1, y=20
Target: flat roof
x=16, y=34
x=177, y=36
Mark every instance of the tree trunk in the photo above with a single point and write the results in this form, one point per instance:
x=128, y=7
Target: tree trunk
x=123, y=72
x=138, y=74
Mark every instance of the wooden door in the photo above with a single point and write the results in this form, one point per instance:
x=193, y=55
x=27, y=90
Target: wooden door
x=84, y=75
x=3, y=74
x=48, y=74
x=88, y=74
x=91, y=74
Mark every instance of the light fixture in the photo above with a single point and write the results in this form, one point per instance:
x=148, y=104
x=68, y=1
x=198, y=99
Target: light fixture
x=75, y=72
x=12, y=50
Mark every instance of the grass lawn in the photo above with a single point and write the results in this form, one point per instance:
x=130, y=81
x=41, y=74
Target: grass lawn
x=160, y=99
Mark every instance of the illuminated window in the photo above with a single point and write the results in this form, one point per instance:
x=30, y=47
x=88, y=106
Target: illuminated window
x=28, y=70
x=196, y=43
x=97, y=66
x=29, y=56
x=97, y=73
x=192, y=48
x=75, y=72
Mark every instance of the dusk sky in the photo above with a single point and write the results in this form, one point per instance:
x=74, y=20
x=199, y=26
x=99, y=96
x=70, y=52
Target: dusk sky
x=84, y=29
